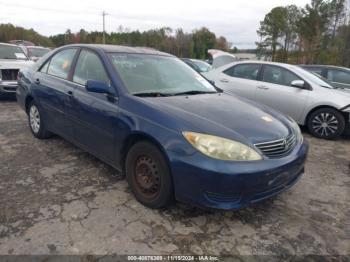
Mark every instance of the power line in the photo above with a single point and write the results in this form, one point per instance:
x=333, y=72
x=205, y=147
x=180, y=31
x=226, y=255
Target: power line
x=46, y=9
x=103, y=22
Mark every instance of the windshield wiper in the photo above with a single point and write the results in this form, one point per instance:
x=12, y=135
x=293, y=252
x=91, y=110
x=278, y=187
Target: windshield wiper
x=194, y=92
x=153, y=94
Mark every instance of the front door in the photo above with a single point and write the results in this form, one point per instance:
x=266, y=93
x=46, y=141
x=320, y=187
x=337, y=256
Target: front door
x=275, y=91
x=95, y=116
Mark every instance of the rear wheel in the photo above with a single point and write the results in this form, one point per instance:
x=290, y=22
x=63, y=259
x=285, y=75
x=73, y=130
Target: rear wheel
x=149, y=176
x=36, y=123
x=326, y=123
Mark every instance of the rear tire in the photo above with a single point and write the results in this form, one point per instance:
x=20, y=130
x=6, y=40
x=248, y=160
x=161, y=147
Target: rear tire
x=326, y=123
x=36, y=123
x=149, y=176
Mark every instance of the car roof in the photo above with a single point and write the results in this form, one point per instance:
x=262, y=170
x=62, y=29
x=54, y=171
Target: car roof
x=37, y=46
x=326, y=66
x=9, y=44
x=262, y=62
x=122, y=49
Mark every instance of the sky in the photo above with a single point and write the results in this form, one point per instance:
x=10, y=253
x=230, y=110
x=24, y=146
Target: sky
x=237, y=20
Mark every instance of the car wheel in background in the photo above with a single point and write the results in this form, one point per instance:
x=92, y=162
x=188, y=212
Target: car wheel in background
x=36, y=123
x=149, y=176
x=326, y=123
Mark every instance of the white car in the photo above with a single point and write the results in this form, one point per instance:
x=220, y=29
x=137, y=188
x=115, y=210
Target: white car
x=306, y=98
x=12, y=59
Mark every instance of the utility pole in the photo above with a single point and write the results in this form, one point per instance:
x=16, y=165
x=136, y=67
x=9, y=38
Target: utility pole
x=103, y=21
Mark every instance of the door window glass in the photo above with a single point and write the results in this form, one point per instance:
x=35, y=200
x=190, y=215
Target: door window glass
x=89, y=67
x=246, y=71
x=316, y=70
x=44, y=68
x=61, y=63
x=278, y=75
x=338, y=76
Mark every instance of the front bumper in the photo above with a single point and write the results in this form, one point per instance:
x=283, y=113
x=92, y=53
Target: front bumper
x=8, y=87
x=206, y=182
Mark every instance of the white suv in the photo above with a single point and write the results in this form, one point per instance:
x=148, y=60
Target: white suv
x=306, y=98
x=12, y=59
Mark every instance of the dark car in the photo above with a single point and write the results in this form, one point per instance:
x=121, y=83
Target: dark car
x=35, y=52
x=337, y=76
x=198, y=65
x=174, y=135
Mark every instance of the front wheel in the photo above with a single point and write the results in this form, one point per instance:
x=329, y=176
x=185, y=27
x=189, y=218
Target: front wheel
x=149, y=176
x=36, y=123
x=326, y=123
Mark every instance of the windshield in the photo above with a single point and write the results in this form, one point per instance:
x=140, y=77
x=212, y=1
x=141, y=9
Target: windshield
x=142, y=73
x=312, y=77
x=37, y=52
x=12, y=52
x=203, y=66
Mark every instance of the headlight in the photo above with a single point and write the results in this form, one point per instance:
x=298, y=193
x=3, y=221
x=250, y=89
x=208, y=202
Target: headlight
x=297, y=130
x=221, y=148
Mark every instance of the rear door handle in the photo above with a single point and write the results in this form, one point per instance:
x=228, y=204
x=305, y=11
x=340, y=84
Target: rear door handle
x=224, y=80
x=70, y=92
x=37, y=81
x=263, y=87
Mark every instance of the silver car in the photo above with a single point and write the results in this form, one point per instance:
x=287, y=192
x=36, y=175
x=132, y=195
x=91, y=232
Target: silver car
x=12, y=59
x=306, y=98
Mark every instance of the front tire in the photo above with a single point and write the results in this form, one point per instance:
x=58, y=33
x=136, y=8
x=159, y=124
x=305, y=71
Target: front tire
x=36, y=123
x=148, y=175
x=326, y=123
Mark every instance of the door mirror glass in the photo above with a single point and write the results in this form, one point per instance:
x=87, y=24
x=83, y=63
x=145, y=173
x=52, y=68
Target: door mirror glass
x=97, y=86
x=298, y=83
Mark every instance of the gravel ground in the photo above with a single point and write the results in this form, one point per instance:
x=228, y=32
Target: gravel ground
x=57, y=199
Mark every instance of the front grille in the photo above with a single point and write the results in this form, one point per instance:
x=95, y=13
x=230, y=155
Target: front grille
x=9, y=74
x=277, y=148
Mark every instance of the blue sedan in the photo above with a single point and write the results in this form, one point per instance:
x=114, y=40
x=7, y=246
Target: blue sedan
x=173, y=134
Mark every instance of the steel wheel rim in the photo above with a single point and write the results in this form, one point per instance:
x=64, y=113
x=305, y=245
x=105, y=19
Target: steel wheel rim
x=147, y=178
x=325, y=124
x=34, y=118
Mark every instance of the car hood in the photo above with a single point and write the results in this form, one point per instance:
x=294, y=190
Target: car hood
x=14, y=64
x=225, y=115
x=345, y=91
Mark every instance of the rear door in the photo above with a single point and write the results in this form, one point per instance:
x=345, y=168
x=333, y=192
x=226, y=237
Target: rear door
x=275, y=90
x=240, y=79
x=53, y=90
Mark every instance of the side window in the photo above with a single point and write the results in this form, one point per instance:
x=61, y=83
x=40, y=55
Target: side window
x=44, y=68
x=61, y=63
x=89, y=67
x=278, y=75
x=246, y=71
x=315, y=70
x=338, y=76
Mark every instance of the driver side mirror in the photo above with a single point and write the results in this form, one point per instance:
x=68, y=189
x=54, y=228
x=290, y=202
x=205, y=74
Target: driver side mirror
x=298, y=83
x=96, y=86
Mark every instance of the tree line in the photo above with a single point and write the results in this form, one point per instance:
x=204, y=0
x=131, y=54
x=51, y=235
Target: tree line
x=176, y=42
x=318, y=33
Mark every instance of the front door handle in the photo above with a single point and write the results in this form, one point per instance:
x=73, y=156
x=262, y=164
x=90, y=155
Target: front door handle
x=263, y=87
x=224, y=80
x=70, y=92
x=37, y=81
